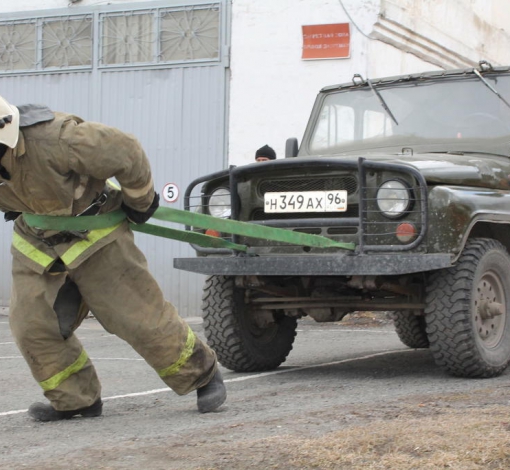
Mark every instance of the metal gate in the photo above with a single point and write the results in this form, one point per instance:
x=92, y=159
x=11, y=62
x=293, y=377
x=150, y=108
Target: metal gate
x=157, y=70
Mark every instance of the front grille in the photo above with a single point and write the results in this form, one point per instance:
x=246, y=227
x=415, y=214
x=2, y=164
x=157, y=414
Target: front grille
x=362, y=223
x=348, y=183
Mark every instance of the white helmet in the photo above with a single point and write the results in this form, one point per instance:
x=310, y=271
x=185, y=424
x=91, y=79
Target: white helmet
x=9, y=117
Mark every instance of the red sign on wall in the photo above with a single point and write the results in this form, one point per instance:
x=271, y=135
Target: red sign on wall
x=326, y=41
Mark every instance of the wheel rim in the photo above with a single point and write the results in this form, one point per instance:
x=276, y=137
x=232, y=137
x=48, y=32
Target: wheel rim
x=489, y=309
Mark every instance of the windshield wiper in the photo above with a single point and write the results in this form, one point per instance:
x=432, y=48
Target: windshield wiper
x=381, y=100
x=469, y=152
x=487, y=84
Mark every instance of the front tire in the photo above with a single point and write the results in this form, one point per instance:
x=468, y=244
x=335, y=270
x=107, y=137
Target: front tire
x=229, y=325
x=467, y=312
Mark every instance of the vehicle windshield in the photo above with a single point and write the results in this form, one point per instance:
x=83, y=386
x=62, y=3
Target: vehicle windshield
x=439, y=111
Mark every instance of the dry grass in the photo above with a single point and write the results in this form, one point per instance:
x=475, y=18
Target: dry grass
x=462, y=432
x=477, y=438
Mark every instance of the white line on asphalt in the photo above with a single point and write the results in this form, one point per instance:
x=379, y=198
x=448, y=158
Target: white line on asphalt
x=7, y=413
x=246, y=377
x=92, y=358
x=12, y=342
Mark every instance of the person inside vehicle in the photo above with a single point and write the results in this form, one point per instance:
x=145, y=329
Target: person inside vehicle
x=264, y=154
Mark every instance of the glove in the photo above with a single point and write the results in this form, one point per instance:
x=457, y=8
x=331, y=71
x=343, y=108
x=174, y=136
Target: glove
x=11, y=215
x=138, y=217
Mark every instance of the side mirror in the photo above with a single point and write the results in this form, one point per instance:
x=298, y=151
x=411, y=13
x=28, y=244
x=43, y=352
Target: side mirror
x=291, y=147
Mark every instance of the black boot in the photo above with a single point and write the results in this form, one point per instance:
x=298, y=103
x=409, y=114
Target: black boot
x=44, y=412
x=212, y=395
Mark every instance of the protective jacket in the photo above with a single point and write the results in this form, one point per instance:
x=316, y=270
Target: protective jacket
x=60, y=167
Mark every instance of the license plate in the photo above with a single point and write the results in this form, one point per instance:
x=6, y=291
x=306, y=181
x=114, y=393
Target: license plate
x=306, y=201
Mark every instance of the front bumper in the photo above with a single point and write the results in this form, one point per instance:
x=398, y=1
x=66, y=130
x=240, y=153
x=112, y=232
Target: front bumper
x=338, y=265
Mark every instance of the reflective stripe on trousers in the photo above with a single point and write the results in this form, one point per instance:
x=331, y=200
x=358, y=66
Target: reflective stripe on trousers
x=184, y=357
x=53, y=382
x=44, y=260
x=30, y=251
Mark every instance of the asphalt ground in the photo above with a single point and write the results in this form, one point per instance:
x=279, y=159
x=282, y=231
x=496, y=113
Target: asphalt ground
x=334, y=373
x=124, y=374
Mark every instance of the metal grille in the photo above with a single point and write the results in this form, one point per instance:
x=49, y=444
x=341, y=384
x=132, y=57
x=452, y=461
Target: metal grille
x=347, y=183
x=190, y=34
x=159, y=36
x=139, y=37
x=17, y=46
x=67, y=42
x=127, y=38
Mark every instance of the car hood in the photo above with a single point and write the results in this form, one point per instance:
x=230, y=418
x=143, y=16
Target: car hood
x=480, y=170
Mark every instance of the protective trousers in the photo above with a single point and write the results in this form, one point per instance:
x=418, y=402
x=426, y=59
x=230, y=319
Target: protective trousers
x=124, y=297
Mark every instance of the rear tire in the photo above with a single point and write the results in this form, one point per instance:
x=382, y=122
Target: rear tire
x=411, y=329
x=240, y=344
x=468, y=309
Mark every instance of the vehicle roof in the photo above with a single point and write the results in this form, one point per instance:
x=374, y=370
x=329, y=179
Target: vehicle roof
x=359, y=82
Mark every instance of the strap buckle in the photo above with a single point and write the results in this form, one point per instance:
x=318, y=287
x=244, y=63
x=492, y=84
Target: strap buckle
x=93, y=209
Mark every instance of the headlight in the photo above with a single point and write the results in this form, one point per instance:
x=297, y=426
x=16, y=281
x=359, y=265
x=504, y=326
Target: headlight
x=219, y=203
x=393, y=198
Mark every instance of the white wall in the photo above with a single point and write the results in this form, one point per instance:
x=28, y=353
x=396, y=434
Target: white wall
x=272, y=89
x=458, y=32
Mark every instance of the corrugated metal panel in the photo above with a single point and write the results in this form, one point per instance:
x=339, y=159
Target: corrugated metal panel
x=178, y=113
x=70, y=92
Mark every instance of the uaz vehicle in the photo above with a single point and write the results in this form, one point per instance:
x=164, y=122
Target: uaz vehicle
x=413, y=173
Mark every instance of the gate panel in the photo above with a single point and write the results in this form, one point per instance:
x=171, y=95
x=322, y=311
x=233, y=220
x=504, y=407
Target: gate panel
x=170, y=94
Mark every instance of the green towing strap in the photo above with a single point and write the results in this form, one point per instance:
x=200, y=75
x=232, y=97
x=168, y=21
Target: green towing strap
x=188, y=237
x=167, y=214
x=247, y=229
x=72, y=223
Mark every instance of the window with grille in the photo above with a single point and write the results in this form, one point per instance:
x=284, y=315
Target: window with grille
x=127, y=39
x=161, y=36
x=18, y=46
x=145, y=37
x=189, y=34
x=67, y=42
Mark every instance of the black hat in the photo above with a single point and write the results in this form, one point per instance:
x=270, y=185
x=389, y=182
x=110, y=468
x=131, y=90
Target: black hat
x=265, y=151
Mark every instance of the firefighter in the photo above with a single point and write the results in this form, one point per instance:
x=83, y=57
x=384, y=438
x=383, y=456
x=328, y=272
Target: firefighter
x=56, y=164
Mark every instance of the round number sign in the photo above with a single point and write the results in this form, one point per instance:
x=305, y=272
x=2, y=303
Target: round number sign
x=170, y=192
